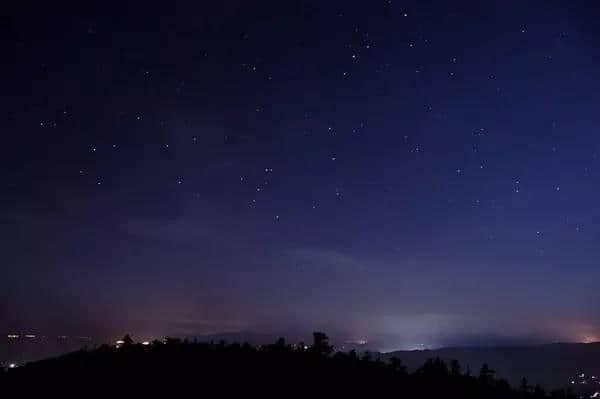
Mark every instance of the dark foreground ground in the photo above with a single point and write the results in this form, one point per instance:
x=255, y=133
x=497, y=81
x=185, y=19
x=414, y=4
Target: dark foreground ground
x=186, y=369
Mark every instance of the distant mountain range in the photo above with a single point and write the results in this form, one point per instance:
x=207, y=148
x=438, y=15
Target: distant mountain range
x=551, y=365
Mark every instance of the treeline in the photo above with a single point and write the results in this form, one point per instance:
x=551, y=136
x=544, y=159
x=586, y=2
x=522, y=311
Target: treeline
x=176, y=367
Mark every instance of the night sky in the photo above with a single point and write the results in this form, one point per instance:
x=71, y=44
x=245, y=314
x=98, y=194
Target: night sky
x=410, y=173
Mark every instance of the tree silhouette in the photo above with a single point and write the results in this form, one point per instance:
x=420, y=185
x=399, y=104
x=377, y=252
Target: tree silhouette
x=127, y=340
x=321, y=343
x=524, y=386
x=486, y=375
x=455, y=367
x=397, y=365
x=468, y=371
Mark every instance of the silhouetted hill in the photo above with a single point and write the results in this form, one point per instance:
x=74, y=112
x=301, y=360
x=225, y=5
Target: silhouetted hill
x=23, y=349
x=551, y=365
x=176, y=368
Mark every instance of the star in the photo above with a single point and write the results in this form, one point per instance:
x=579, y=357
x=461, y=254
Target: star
x=497, y=107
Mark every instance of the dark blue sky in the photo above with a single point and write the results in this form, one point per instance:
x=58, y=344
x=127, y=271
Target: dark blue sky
x=403, y=172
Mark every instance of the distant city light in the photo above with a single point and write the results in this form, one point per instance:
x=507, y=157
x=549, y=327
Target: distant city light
x=29, y=336
x=13, y=336
x=358, y=342
x=12, y=365
x=589, y=339
x=146, y=343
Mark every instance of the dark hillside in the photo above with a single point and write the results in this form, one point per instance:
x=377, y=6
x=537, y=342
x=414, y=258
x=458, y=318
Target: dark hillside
x=278, y=369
